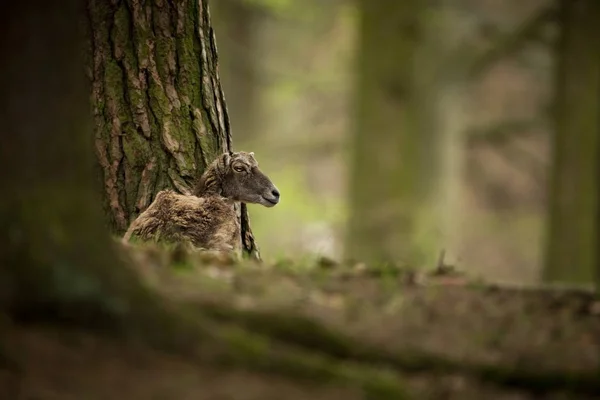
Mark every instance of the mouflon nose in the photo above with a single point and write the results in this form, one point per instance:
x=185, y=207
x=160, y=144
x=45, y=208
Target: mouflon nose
x=275, y=193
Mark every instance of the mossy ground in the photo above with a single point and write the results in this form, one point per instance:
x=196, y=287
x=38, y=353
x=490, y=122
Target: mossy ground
x=317, y=329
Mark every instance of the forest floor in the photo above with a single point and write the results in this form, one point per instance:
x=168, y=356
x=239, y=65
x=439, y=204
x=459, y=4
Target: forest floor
x=319, y=330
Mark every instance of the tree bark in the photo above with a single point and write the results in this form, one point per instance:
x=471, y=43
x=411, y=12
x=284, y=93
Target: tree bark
x=573, y=232
x=157, y=101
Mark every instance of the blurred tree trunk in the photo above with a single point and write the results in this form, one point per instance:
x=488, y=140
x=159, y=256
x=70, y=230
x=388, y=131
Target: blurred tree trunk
x=236, y=23
x=159, y=110
x=439, y=80
x=55, y=250
x=386, y=178
x=573, y=231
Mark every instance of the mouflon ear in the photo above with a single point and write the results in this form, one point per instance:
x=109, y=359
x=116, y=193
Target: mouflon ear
x=226, y=159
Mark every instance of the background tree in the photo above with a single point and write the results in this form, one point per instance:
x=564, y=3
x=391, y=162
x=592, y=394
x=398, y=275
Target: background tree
x=237, y=25
x=392, y=161
x=573, y=230
x=159, y=109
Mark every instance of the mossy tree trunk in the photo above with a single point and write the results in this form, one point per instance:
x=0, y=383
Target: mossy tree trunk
x=573, y=232
x=158, y=106
x=392, y=162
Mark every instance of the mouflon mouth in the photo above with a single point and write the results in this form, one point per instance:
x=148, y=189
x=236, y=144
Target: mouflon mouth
x=272, y=202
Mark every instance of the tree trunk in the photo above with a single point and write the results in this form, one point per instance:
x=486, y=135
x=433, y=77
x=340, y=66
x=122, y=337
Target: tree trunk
x=390, y=173
x=439, y=83
x=55, y=250
x=236, y=22
x=159, y=109
x=573, y=233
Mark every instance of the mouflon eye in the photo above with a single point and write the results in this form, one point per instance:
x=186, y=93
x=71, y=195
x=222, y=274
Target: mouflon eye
x=238, y=169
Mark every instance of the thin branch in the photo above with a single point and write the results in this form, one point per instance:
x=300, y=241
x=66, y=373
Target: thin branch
x=510, y=43
x=502, y=131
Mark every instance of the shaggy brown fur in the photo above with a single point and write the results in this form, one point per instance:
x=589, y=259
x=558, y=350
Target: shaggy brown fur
x=207, y=220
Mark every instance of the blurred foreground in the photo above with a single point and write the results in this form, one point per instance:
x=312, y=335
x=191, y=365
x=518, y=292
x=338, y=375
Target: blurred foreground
x=318, y=330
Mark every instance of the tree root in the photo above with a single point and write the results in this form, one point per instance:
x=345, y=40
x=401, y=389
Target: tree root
x=309, y=334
